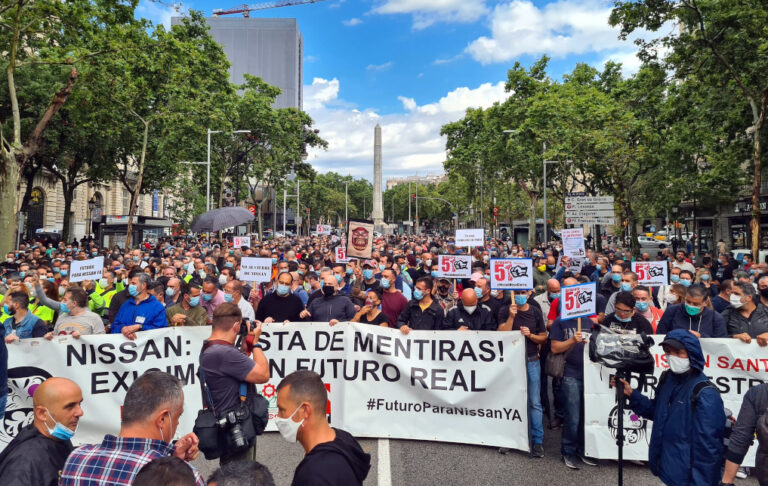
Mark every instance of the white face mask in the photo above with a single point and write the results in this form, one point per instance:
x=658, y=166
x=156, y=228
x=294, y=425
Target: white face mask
x=287, y=427
x=678, y=365
x=736, y=301
x=222, y=279
x=470, y=308
x=670, y=298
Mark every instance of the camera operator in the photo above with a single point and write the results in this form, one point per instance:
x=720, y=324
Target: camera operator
x=226, y=366
x=688, y=416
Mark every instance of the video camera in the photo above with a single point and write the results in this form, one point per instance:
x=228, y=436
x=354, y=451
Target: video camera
x=622, y=351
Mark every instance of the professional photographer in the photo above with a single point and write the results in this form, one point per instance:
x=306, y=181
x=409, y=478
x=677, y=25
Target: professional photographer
x=226, y=367
x=688, y=417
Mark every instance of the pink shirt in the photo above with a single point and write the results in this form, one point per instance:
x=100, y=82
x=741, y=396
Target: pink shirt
x=211, y=305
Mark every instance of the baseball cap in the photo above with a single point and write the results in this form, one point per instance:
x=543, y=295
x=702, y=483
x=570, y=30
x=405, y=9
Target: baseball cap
x=673, y=343
x=369, y=263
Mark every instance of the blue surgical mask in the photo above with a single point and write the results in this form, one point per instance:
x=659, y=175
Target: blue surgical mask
x=50, y=279
x=59, y=431
x=349, y=271
x=229, y=265
x=642, y=306
x=338, y=278
x=616, y=277
x=521, y=299
x=133, y=290
x=367, y=274
x=478, y=292
x=685, y=282
x=598, y=267
x=382, y=267
x=418, y=294
x=207, y=297
x=22, y=274
x=136, y=259
x=626, y=287
x=283, y=290
x=229, y=298
x=63, y=273
x=194, y=301
x=705, y=277
x=435, y=273
x=169, y=291
x=554, y=295
x=385, y=283
x=62, y=308
x=623, y=319
x=674, y=278
x=202, y=274
x=274, y=261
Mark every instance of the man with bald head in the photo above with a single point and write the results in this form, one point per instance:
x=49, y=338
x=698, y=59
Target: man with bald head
x=545, y=299
x=469, y=315
x=37, y=454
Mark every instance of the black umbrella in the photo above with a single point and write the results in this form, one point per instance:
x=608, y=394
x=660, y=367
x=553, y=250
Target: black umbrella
x=221, y=218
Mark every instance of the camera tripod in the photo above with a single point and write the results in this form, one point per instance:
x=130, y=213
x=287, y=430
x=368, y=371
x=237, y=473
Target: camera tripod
x=621, y=399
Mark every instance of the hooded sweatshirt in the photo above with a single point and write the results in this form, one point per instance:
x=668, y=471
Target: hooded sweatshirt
x=340, y=462
x=686, y=445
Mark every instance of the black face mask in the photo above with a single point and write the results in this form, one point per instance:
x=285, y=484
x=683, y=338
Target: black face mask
x=764, y=293
x=328, y=290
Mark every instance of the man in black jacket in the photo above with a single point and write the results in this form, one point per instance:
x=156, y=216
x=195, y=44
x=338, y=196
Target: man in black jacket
x=37, y=454
x=469, y=315
x=421, y=313
x=333, y=456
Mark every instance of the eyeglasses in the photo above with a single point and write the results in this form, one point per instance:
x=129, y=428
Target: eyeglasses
x=623, y=311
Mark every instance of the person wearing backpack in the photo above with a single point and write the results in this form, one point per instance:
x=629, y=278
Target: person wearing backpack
x=752, y=419
x=688, y=416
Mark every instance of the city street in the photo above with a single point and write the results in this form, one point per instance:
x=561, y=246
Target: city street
x=407, y=462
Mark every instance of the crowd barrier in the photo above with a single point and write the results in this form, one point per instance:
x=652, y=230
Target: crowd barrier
x=465, y=387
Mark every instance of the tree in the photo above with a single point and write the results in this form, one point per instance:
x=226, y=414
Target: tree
x=62, y=36
x=170, y=85
x=723, y=45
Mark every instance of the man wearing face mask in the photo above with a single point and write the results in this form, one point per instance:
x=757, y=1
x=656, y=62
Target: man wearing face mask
x=392, y=300
x=665, y=295
x=746, y=319
x=281, y=305
x=332, y=456
x=688, y=417
x=540, y=276
x=422, y=312
x=628, y=282
x=37, y=454
x=545, y=299
x=188, y=311
x=149, y=420
x=611, y=283
x=693, y=315
x=624, y=319
x=529, y=321
x=469, y=315
x=142, y=312
x=483, y=292
x=331, y=307
x=21, y=324
x=233, y=294
x=74, y=317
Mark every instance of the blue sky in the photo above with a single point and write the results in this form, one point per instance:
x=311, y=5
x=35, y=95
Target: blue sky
x=414, y=65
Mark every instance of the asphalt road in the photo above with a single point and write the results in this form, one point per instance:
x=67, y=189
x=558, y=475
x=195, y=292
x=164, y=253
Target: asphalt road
x=421, y=463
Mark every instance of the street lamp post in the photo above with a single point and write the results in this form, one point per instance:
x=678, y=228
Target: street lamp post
x=346, y=204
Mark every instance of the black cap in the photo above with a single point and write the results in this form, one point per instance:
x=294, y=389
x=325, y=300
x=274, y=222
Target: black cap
x=673, y=343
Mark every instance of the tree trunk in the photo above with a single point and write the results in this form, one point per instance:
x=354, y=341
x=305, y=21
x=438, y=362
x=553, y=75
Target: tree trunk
x=137, y=188
x=69, y=196
x=261, y=220
x=9, y=182
x=598, y=236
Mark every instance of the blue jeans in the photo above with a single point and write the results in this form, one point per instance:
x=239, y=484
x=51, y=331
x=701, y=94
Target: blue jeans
x=535, y=410
x=572, y=398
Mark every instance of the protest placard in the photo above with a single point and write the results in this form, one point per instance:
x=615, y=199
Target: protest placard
x=255, y=269
x=341, y=254
x=470, y=237
x=573, y=242
x=578, y=301
x=91, y=269
x=651, y=274
x=511, y=274
x=454, y=266
x=240, y=241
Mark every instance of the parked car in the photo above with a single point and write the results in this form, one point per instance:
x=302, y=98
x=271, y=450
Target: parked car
x=738, y=255
x=647, y=243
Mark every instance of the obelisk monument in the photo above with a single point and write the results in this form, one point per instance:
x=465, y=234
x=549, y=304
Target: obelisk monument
x=378, y=214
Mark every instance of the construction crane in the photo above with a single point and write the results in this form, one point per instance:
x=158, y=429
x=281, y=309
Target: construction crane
x=247, y=9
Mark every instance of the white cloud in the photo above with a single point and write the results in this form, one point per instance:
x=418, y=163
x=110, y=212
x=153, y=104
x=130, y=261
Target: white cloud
x=558, y=29
x=411, y=140
x=428, y=12
x=379, y=67
x=160, y=13
x=630, y=63
x=352, y=22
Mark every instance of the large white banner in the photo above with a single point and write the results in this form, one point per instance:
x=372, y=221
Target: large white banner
x=446, y=386
x=733, y=366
